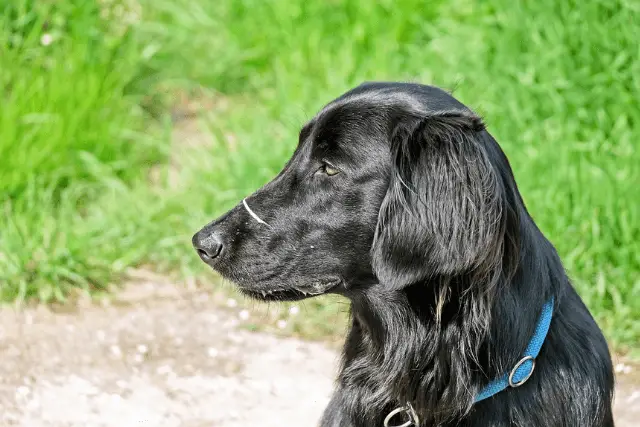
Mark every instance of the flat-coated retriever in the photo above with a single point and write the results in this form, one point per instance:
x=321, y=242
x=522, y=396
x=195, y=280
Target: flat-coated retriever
x=398, y=198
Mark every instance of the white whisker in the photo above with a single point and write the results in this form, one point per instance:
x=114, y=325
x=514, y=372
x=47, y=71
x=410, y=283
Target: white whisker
x=253, y=214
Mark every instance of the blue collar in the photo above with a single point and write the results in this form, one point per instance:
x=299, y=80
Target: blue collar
x=522, y=370
x=520, y=373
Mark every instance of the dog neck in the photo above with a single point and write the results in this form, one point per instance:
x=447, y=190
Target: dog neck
x=427, y=354
x=436, y=344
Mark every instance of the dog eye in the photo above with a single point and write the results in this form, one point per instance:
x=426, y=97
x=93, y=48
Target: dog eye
x=329, y=170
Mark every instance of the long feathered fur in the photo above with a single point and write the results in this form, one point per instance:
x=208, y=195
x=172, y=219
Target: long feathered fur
x=463, y=274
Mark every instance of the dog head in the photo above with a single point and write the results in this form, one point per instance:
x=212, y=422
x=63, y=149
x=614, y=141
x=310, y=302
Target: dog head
x=390, y=184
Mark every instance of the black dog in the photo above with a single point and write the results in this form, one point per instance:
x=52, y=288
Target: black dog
x=399, y=199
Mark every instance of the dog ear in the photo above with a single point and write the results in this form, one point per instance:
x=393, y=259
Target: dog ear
x=443, y=211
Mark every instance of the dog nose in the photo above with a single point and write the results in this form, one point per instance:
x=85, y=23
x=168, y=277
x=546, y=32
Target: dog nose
x=208, y=245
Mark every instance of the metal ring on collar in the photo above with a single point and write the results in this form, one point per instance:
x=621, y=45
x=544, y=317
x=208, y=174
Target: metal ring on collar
x=515, y=368
x=411, y=413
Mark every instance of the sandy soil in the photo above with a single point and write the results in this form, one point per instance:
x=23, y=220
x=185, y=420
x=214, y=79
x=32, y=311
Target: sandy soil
x=164, y=356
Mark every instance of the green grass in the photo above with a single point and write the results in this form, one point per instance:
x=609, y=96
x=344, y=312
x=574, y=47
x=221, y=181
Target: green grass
x=556, y=82
x=66, y=101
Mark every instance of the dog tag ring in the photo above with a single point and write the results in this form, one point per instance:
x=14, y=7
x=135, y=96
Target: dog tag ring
x=414, y=421
x=513, y=383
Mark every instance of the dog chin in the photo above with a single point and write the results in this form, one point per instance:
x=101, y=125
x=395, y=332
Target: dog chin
x=294, y=293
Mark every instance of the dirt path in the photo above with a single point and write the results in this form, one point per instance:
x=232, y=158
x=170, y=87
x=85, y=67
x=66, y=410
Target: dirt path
x=167, y=357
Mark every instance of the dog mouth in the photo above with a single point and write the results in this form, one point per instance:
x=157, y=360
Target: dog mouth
x=294, y=293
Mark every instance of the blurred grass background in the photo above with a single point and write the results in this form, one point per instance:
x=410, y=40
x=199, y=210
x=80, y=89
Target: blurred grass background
x=125, y=125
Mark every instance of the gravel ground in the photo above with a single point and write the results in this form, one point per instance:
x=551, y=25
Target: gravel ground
x=163, y=356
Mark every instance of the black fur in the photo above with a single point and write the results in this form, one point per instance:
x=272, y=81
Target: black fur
x=424, y=230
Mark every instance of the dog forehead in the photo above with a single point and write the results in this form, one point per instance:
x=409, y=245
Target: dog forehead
x=371, y=111
x=348, y=121
x=372, y=108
